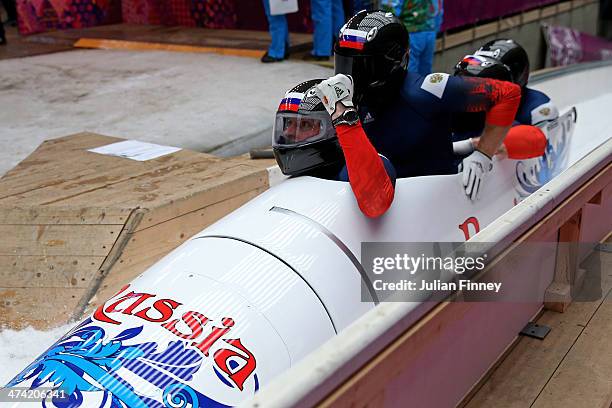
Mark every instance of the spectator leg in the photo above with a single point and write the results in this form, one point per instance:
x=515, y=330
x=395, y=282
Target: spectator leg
x=427, y=55
x=416, y=49
x=11, y=9
x=322, y=19
x=337, y=17
x=422, y=46
x=278, y=31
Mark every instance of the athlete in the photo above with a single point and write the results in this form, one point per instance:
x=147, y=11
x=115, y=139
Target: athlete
x=407, y=117
x=504, y=59
x=317, y=132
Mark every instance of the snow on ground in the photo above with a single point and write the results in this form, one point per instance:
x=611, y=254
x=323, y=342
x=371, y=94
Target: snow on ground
x=196, y=101
x=20, y=348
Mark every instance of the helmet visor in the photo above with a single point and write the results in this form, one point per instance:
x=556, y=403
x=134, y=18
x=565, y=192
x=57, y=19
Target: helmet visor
x=370, y=70
x=295, y=129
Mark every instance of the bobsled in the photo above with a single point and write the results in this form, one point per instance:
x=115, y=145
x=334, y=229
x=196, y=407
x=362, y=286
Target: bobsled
x=246, y=298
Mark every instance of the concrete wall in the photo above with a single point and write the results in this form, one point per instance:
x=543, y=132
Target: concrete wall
x=529, y=35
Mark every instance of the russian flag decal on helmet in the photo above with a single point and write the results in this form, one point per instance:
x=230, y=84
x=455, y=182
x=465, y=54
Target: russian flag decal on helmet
x=291, y=102
x=351, y=38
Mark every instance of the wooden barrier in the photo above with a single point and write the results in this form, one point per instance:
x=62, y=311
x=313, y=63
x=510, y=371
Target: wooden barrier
x=77, y=225
x=434, y=354
x=431, y=345
x=503, y=24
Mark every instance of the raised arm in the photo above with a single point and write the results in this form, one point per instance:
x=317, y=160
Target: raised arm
x=370, y=182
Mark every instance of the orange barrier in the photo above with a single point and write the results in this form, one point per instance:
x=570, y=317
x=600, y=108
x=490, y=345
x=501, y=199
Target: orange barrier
x=149, y=46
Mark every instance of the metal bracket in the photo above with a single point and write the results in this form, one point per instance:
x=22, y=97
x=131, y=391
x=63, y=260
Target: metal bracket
x=537, y=331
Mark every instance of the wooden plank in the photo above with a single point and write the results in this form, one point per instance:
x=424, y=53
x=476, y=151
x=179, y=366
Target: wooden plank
x=142, y=184
x=462, y=37
x=509, y=23
x=584, y=377
x=74, y=142
x=52, y=178
x=70, y=240
x=522, y=375
x=217, y=191
x=559, y=295
x=486, y=30
x=549, y=11
x=564, y=7
x=160, y=239
x=39, y=307
x=149, y=245
x=54, y=215
x=47, y=167
x=180, y=182
x=48, y=271
x=108, y=263
x=50, y=153
x=531, y=16
x=91, y=172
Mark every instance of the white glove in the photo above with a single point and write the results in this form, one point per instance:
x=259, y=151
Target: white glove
x=476, y=167
x=338, y=88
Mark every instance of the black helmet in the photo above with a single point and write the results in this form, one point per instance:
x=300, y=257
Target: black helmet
x=510, y=53
x=373, y=48
x=304, y=139
x=483, y=67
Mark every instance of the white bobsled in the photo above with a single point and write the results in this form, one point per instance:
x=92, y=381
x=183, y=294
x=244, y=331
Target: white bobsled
x=249, y=296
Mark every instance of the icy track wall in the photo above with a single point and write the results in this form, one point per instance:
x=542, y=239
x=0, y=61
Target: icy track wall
x=249, y=297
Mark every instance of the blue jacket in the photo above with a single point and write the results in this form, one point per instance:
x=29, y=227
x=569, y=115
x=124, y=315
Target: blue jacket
x=414, y=131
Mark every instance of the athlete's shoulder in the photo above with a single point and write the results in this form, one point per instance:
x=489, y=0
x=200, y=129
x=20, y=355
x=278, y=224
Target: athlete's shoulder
x=533, y=96
x=425, y=87
x=536, y=108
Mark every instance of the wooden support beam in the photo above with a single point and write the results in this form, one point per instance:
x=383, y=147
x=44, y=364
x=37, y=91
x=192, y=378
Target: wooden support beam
x=597, y=199
x=568, y=276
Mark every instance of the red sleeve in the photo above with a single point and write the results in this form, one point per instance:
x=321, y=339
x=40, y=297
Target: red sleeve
x=500, y=99
x=506, y=97
x=369, y=179
x=525, y=142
